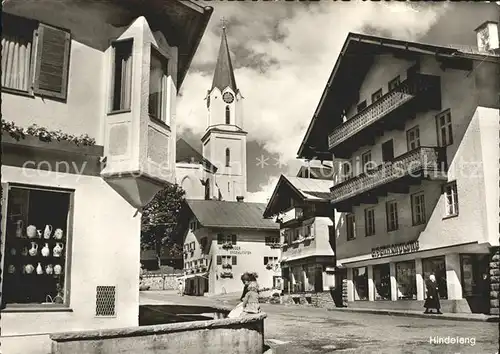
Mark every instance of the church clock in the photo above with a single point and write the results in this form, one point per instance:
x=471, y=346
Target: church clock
x=228, y=97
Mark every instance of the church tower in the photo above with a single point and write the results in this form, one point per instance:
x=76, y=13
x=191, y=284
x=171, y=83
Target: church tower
x=225, y=141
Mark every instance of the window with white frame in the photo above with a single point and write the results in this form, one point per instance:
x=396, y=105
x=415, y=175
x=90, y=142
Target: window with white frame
x=121, y=94
x=394, y=83
x=444, y=128
x=366, y=160
x=369, y=221
x=392, y=215
x=451, y=199
x=227, y=260
x=271, y=261
x=350, y=222
x=376, y=96
x=361, y=106
x=35, y=57
x=418, y=208
x=37, y=236
x=222, y=239
x=158, y=73
x=270, y=240
x=347, y=170
x=413, y=138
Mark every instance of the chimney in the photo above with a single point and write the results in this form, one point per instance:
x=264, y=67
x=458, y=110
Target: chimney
x=240, y=198
x=487, y=37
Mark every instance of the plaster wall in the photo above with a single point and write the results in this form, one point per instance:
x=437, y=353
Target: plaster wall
x=96, y=238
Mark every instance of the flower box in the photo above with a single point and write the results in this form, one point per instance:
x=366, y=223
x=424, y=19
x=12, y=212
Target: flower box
x=226, y=274
x=275, y=245
x=227, y=266
x=227, y=245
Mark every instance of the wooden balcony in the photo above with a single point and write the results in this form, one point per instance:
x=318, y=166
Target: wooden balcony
x=391, y=177
x=391, y=111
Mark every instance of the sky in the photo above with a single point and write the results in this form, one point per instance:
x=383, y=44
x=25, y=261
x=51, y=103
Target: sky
x=283, y=54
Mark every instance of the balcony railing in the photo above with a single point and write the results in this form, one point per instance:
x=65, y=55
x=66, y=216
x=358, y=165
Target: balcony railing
x=405, y=92
x=423, y=160
x=292, y=214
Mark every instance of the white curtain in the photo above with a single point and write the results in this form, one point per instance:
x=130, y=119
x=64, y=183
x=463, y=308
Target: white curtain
x=126, y=88
x=16, y=59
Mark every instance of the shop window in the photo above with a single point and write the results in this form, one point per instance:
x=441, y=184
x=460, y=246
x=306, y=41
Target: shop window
x=370, y=221
x=418, y=208
x=360, y=279
x=25, y=41
x=451, y=199
x=158, y=86
x=394, y=83
x=361, y=106
x=436, y=266
x=311, y=278
x=122, y=76
x=413, y=138
x=392, y=215
x=350, y=223
x=382, y=281
x=37, y=233
x=406, y=280
x=376, y=96
x=444, y=128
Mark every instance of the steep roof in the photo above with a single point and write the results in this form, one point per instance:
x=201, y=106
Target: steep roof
x=231, y=215
x=305, y=188
x=224, y=73
x=186, y=153
x=354, y=61
x=315, y=172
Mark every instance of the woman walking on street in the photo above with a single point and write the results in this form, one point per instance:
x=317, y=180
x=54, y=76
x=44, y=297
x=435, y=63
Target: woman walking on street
x=432, y=300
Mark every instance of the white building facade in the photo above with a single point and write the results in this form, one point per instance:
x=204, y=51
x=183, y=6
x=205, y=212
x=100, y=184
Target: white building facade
x=100, y=82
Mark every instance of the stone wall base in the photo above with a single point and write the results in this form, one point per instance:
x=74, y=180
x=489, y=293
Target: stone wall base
x=319, y=299
x=495, y=281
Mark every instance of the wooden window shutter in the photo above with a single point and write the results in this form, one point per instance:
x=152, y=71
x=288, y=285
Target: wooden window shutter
x=219, y=260
x=233, y=239
x=266, y=260
x=219, y=239
x=52, y=62
x=234, y=260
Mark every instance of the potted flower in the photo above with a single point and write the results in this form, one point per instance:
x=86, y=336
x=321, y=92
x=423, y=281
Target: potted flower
x=227, y=266
x=269, y=266
x=227, y=245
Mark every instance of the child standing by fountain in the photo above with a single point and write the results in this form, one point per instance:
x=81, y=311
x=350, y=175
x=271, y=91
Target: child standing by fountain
x=251, y=299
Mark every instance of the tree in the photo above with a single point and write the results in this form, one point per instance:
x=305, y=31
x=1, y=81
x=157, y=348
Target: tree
x=159, y=221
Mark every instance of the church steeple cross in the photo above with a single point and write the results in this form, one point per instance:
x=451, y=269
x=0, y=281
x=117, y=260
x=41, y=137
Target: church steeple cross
x=223, y=22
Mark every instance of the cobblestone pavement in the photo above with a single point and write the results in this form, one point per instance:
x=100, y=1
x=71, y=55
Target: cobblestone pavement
x=297, y=330
x=308, y=330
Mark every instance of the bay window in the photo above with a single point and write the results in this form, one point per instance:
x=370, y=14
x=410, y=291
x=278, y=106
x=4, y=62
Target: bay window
x=37, y=233
x=158, y=86
x=122, y=76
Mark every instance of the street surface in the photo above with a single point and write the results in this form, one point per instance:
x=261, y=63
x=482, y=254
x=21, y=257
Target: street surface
x=308, y=330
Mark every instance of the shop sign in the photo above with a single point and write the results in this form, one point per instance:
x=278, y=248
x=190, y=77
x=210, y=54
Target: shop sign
x=235, y=250
x=395, y=249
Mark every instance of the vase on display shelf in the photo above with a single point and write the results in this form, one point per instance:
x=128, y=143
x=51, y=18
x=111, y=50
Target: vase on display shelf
x=47, y=231
x=33, y=250
x=19, y=228
x=46, y=250
x=39, y=269
x=58, y=249
x=58, y=234
x=31, y=231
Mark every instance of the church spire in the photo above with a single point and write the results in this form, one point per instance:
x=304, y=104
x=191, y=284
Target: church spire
x=224, y=74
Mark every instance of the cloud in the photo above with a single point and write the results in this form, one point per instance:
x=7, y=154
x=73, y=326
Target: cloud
x=265, y=191
x=283, y=55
